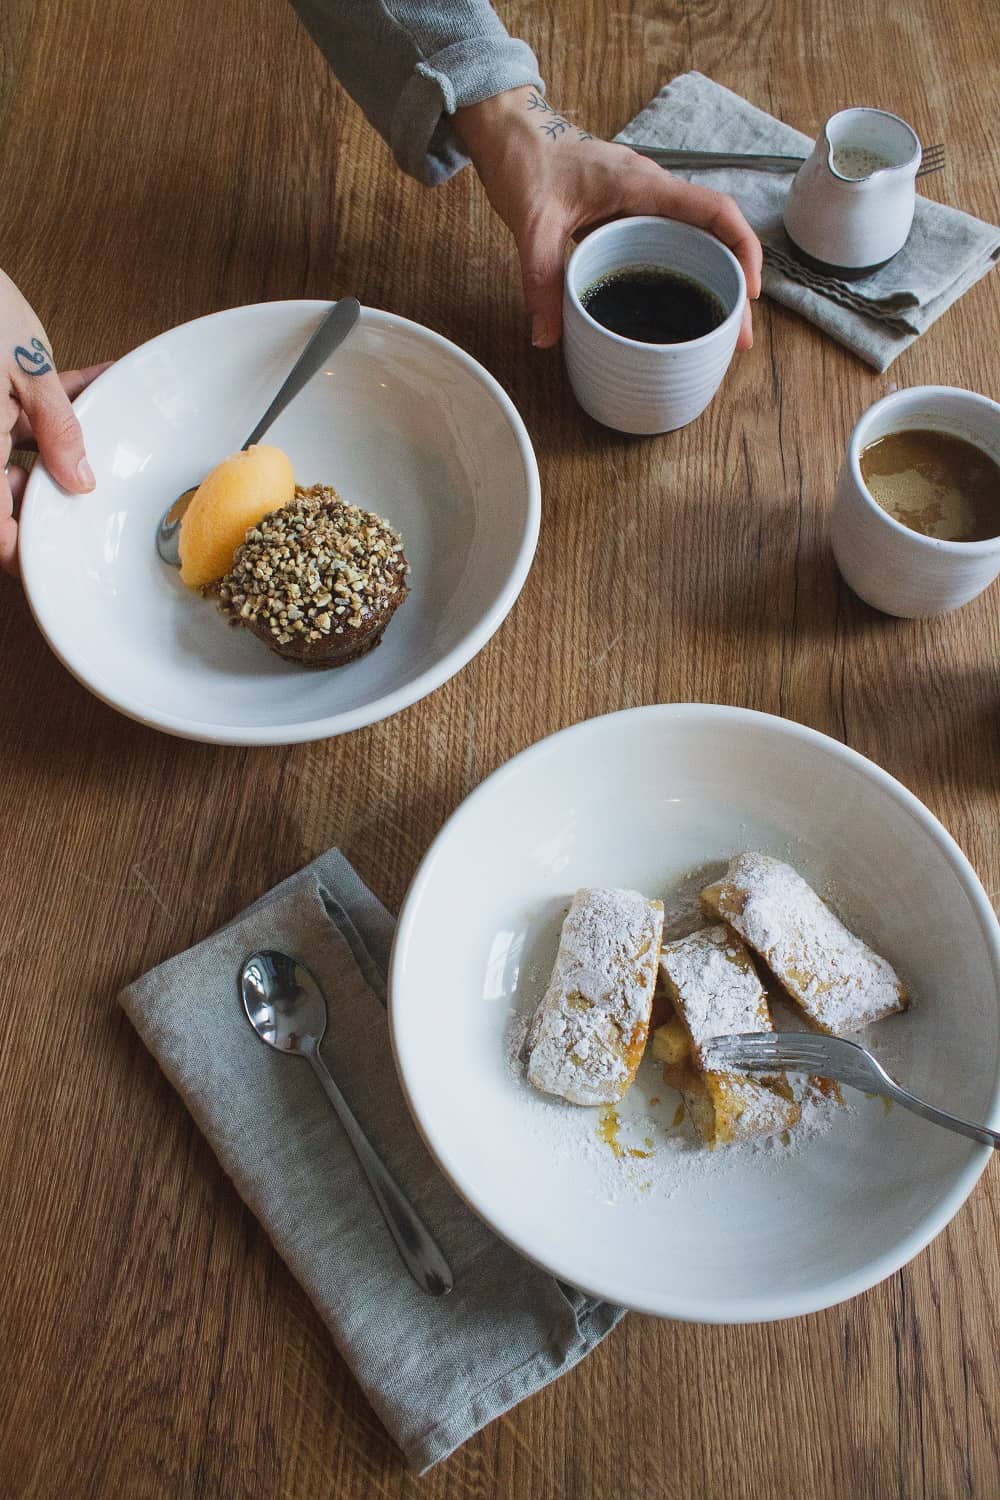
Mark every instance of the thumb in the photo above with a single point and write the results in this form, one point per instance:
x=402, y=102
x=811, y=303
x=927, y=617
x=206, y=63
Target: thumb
x=56, y=430
x=542, y=251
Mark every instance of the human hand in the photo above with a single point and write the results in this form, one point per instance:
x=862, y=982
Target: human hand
x=548, y=179
x=34, y=411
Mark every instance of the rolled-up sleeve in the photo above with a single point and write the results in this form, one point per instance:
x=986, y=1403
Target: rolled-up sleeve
x=410, y=66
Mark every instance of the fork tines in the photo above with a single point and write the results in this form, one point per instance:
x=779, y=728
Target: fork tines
x=931, y=160
x=761, y=1050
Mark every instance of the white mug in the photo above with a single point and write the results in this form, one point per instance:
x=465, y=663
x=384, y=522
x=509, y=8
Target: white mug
x=891, y=567
x=639, y=387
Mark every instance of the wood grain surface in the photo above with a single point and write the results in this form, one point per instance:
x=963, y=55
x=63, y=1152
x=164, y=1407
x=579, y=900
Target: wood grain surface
x=160, y=162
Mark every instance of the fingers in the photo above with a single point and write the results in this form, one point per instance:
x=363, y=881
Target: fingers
x=8, y=526
x=11, y=489
x=43, y=413
x=728, y=225
x=706, y=209
x=17, y=479
x=745, y=340
x=73, y=382
x=45, y=406
x=542, y=249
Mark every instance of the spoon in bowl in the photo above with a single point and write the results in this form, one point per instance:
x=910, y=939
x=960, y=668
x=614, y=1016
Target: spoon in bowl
x=287, y=1009
x=330, y=333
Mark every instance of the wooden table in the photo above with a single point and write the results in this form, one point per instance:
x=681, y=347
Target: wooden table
x=162, y=162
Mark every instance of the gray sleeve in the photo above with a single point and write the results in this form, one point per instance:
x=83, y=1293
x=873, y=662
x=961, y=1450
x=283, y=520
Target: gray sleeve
x=410, y=65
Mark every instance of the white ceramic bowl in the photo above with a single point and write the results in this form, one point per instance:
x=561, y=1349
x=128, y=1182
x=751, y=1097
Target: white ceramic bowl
x=649, y=388
x=401, y=422
x=887, y=564
x=641, y=798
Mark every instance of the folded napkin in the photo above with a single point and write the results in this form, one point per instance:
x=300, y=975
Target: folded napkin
x=878, y=316
x=436, y=1370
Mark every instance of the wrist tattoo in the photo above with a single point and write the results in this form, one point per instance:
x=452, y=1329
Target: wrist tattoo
x=556, y=124
x=38, y=362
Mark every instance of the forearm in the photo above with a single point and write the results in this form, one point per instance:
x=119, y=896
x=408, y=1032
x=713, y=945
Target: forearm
x=411, y=65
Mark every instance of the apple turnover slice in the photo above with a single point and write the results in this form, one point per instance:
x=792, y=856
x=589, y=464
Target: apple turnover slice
x=587, y=1036
x=710, y=980
x=839, y=983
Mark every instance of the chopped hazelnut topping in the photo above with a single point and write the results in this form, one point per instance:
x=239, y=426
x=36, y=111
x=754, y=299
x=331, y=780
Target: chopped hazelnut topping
x=315, y=559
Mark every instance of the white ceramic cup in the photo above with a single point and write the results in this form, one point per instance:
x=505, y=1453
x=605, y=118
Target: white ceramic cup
x=891, y=567
x=646, y=388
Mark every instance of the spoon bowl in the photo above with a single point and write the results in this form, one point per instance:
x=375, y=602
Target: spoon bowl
x=329, y=334
x=283, y=1002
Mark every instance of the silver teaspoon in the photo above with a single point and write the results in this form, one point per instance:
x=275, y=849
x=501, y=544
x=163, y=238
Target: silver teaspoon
x=287, y=1009
x=328, y=336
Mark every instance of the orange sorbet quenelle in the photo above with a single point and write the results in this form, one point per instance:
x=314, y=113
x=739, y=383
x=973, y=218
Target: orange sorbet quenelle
x=236, y=495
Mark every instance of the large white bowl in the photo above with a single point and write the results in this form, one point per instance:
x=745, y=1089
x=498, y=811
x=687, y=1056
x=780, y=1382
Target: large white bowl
x=641, y=798
x=401, y=422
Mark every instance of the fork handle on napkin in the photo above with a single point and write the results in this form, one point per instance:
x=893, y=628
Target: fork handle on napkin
x=878, y=317
x=693, y=161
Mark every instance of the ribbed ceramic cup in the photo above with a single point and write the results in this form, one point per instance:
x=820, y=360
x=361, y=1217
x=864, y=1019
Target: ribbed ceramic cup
x=889, y=566
x=646, y=388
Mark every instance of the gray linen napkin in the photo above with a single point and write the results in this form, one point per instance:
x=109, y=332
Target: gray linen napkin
x=435, y=1370
x=878, y=316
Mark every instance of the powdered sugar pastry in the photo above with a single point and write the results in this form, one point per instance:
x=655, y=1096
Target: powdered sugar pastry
x=840, y=983
x=586, y=1039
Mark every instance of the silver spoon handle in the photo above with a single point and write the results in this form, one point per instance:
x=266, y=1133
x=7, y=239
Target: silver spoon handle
x=421, y=1255
x=981, y=1133
x=329, y=335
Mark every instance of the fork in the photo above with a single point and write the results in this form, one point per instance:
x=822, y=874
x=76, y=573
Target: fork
x=827, y=1057
x=931, y=160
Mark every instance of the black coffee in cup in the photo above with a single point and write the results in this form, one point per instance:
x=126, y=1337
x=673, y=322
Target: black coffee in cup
x=653, y=305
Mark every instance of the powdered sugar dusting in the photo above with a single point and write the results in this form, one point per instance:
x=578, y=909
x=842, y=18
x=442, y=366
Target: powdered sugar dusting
x=714, y=985
x=673, y=1155
x=753, y=1109
x=682, y=912
x=839, y=981
x=594, y=1013
x=651, y=1118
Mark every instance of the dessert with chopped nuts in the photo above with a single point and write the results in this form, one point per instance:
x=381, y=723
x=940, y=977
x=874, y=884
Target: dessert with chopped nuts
x=318, y=580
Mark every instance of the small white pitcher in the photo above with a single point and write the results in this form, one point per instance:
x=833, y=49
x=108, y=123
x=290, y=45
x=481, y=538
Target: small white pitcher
x=850, y=207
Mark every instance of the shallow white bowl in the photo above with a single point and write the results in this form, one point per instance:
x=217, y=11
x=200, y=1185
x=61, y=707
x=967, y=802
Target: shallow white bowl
x=401, y=422
x=642, y=798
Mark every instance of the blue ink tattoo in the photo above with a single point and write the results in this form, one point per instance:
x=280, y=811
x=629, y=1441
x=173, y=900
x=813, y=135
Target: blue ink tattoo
x=554, y=128
x=39, y=363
